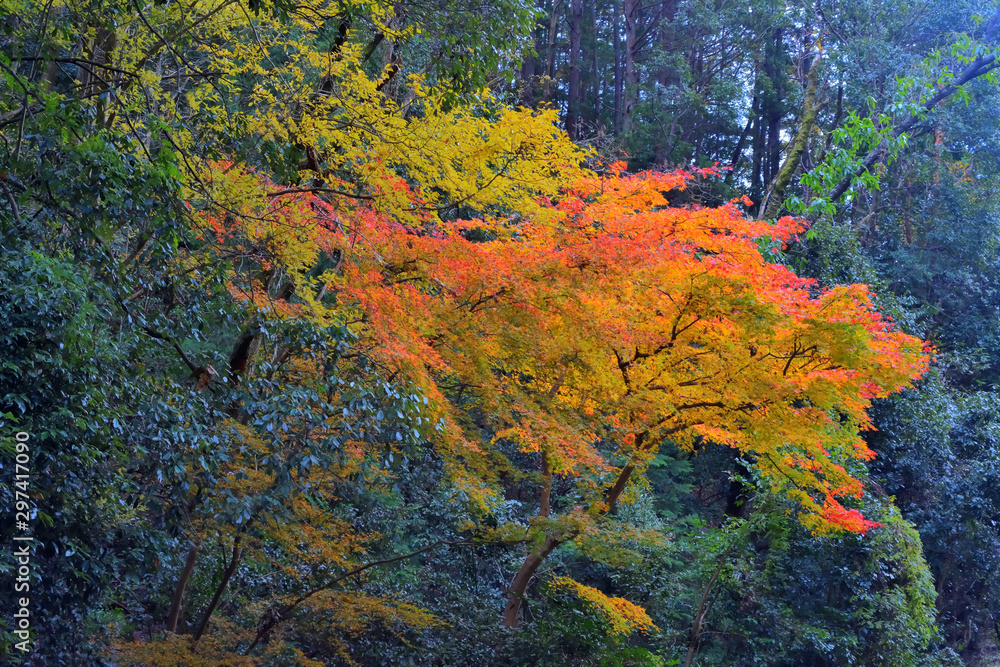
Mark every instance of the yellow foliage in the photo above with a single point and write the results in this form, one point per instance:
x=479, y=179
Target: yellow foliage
x=331, y=615
x=265, y=78
x=623, y=616
x=178, y=651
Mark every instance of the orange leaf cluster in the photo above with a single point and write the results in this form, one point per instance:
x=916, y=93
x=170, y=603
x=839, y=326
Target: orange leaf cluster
x=607, y=324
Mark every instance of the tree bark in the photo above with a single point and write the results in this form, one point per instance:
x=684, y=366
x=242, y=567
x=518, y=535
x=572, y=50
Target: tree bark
x=667, y=77
x=738, y=151
x=573, y=94
x=617, y=121
x=520, y=583
x=598, y=84
x=550, y=53
x=810, y=110
x=220, y=589
x=527, y=81
x=631, y=12
x=244, y=351
x=773, y=110
x=757, y=168
x=529, y=67
x=703, y=607
x=546, y=495
x=93, y=78
x=515, y=594
x=175, y=603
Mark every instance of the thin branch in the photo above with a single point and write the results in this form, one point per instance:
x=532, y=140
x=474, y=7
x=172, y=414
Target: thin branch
x=979, y=67
x=12, y=201
x=166, y=41
x=281, y=615
x=24, y=106
x=332, y=191
x=80, y=61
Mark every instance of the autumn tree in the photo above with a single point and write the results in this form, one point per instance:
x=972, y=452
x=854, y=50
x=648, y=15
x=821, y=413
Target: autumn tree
x=597, y=328
x=617, y=322
x=323, y=263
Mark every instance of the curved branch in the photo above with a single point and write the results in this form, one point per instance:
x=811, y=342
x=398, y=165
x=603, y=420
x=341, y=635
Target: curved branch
x=979, y=67
x=280, y=616
x=331, y=191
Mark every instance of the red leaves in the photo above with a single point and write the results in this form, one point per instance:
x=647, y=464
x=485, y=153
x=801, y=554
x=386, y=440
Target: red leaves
x=844, y=519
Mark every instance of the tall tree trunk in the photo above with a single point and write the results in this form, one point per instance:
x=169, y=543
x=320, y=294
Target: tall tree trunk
x=810, y=110
x=757, y=168
x=631, y=12
x=546, y=495
x=738, y=151
x=594, y=55
x=528, y=79
x=773, y=110
x=666, y=76
x=573, y=96
x=99, y=51
x=619, y=83
x=550, y=53
x=529, y=67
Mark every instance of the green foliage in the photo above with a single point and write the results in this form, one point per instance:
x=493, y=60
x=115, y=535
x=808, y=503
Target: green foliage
x=853, y=141
x=106, y=323
x=853, y=600
x=62, y=385
x=940, y=452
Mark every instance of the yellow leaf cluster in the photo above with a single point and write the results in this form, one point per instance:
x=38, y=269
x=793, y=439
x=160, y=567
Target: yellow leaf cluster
x=623, y=617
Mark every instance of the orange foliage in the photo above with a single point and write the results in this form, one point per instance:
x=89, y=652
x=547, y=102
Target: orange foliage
x=606, y=324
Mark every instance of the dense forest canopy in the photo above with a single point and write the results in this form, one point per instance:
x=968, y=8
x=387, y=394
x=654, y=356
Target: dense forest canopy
x=582, y=332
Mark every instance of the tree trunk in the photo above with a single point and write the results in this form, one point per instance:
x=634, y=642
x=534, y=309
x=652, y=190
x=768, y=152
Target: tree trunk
x=594, y=64
x=550, y=54
x=175, y=604
x=772, y=109
x=573, y=97
x=93, y=78
x=666, y=76
x=221, y=588
x=810, y=110
x=617, y=124
x=529, y=67
x=738, y=151
x=546, y=495
x=631, y=75
x=528, y=78
x=515, y=595
x=703, y=607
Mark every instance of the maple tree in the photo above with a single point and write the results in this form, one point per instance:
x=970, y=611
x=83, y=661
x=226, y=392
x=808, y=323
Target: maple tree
x=344, y=277
x=595, y=330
